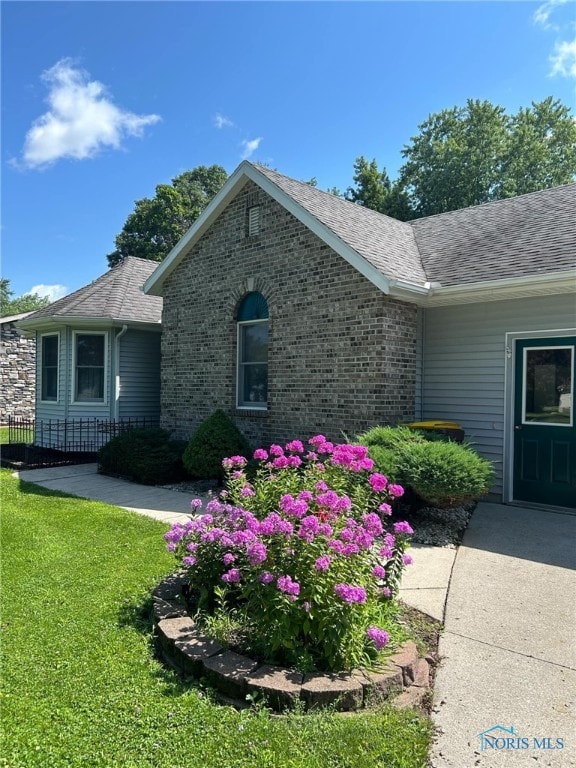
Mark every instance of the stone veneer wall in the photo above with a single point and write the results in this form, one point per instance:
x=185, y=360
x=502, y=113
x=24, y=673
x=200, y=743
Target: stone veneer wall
x=17, y=373
x=342, y=355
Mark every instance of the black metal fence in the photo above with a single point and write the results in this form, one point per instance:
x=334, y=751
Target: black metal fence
x=55, y=442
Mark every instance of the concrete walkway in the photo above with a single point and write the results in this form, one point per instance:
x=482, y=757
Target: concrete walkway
x=508, y=600
x=83, y=480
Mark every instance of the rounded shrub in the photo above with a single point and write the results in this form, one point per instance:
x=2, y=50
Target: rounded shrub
x=215, y=438
x=145, y=455
x=439, y=473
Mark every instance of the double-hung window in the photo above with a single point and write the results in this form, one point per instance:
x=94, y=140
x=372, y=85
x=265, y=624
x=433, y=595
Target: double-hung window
x=49, y=372
x=89, y=367
x=252, y=374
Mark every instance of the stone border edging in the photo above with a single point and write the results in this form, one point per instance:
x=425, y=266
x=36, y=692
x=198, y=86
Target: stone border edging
x=185, y=648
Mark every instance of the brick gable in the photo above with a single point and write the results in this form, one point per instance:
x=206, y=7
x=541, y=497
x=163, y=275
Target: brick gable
x=342, y=355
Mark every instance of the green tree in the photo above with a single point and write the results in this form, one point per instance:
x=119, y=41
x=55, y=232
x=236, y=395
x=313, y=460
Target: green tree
x=469, y=155
x=156, y=225
x=28, y=302
x=373, y=189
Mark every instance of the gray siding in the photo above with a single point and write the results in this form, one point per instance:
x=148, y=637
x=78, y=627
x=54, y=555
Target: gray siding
x=464, y=364
x=139, y=375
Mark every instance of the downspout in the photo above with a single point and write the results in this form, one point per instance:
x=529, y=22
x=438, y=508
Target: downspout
x=117, y=373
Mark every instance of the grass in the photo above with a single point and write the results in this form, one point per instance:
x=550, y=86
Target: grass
x=3, y=435
x=80, y=685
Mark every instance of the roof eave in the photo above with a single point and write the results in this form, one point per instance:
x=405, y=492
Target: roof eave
x=100, y=323
x=498, y=290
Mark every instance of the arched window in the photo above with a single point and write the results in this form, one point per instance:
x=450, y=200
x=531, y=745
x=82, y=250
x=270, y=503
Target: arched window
x=252, y=376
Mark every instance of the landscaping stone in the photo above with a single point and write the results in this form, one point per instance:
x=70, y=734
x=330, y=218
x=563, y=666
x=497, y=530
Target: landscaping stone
x=344, y=690
x=379, y=684
x=422, y=673
x=228, y=671
x=168, y=610
x=171, y=588
x=184, y=647
x=406, y=658
x=281, y=687
x=410, y=698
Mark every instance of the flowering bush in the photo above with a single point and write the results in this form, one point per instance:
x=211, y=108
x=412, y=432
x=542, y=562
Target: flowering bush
x=302, y=550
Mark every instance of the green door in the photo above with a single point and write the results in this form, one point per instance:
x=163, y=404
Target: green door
x=544, y=429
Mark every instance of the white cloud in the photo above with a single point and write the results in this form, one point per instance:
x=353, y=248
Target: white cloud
x=81, y=119
x=53, y=292
x=544, y=11
x=564, y=59
x=250, y=147
x=221, y=121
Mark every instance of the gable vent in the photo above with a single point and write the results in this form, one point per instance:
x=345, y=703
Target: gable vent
x=253, y=220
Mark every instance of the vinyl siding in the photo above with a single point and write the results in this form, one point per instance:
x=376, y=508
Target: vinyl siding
x=464, y=364
x=139, y=375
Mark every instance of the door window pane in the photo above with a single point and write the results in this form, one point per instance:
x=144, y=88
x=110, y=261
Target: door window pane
x=548, y=385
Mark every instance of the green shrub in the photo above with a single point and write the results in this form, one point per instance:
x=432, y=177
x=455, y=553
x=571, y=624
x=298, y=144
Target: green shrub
x=441, y=474
x=145, y=455
x=215, y=439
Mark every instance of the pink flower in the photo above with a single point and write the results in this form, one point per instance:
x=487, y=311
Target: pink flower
x=295, y=446
x=395, y=491
x=379, y=637
x=322, y=563
x=386, y=509
x=280, y=462
x=276, y=450
x=260, y=454
x=233, y=576
x=407, y=559
x=379, y=572
x=266, y=577
x=196, y=504
x=350, y=594
x=286, y=585
x=403, y=527
x=317, y=439
x=378, y=482
x=228, y=558
x=247, y=491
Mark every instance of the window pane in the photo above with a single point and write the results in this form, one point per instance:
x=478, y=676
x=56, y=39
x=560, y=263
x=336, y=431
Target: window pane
x=90, y=384
x=49, y=386
x=255, y=343
x=50, y=350
x=254, y=384
x=548, y=386
x=49, y=383
x=89, y=350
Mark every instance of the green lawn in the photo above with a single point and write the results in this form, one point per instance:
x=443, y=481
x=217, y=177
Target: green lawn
x=3, y=435
x=80, y=686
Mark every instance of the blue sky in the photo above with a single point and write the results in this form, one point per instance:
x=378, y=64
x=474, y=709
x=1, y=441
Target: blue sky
x=104, y=100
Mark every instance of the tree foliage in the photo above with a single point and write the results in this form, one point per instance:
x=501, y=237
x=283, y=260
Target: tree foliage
x=469, y=155
x=28, y=302
x=373, y=189
x=156, y=224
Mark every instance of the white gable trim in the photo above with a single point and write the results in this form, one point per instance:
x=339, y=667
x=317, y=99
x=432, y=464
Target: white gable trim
x=246, y=171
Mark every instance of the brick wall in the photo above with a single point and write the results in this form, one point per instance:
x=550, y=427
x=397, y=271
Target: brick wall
x=17, y=373
x=342, y=356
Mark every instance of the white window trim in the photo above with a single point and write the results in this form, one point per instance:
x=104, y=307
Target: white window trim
x=89, y=403
x=239, y=405
x=41, y=369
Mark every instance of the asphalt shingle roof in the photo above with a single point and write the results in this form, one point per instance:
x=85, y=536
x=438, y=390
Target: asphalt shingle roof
x=527, y=235
x=115, y=295
x=531, y=234
x=386, y=243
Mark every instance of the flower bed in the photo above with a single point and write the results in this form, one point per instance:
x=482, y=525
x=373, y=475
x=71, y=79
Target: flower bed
x=298, y=554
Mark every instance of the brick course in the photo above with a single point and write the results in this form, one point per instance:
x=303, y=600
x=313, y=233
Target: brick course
x=342, y=355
